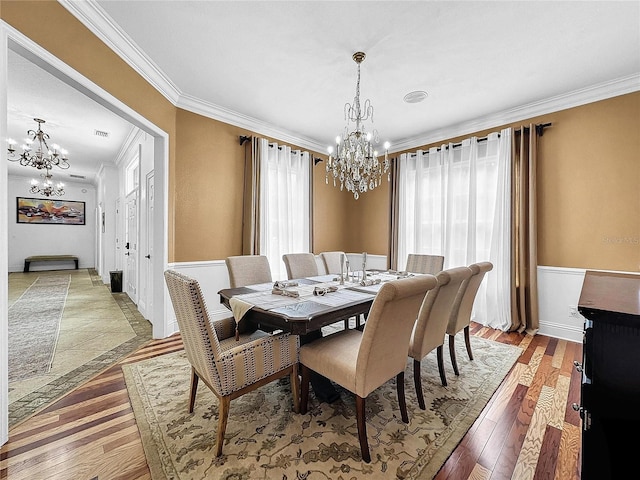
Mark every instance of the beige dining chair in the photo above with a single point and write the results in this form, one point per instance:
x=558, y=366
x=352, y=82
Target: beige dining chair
x=332, y=261
x=362, y=361
x=462, y=319
x=421, y=263
x=322, y=268
x=248, y=270
x=300, y=265
x=439, y=305
x=228, y=367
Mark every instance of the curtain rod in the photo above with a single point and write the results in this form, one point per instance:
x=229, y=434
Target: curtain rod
x=539, y=129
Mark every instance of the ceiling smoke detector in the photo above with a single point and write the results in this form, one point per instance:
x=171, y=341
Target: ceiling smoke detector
x=415, y=97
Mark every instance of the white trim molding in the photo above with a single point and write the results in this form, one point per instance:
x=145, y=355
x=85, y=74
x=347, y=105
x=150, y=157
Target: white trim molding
x=98, y=21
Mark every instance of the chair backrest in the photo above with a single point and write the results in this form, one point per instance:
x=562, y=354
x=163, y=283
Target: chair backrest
x=332, y=261
x=248, y=270
x=419, y=263
x=300, y=265
x=463, y=317
x=198, y=334
x=385, y=338
x=439, y=305
x=322, y=268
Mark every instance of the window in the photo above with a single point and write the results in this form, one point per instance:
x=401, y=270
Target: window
x=454, y=201
x=284, y=203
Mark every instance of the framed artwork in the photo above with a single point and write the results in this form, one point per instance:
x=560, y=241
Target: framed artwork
x=48, y=211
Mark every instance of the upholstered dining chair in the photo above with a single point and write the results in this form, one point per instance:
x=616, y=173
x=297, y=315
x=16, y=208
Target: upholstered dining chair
x=300, y=265
x=228, y=367
x=439, y=305
x=248, y=270
x=462, y=319
x=322, y=268
x=362, y=361
x=332, y=261
x=420, y=263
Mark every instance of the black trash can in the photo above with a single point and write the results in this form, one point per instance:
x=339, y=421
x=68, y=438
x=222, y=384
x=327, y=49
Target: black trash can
x=116, y=281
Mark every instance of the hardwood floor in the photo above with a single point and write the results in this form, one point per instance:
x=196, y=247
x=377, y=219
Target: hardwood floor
x=527, y=431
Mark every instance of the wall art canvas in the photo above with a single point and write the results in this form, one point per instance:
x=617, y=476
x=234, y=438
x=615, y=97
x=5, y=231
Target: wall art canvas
x=49, y=211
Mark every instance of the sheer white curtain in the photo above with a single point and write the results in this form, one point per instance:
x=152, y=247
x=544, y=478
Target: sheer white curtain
x=455, y=201
x=284, y=199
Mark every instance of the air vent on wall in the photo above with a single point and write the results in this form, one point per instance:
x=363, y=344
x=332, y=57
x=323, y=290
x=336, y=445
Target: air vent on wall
x=100, y=133
x=76, y=176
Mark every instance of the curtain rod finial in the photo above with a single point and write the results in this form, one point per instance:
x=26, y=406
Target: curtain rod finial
x=244, y=138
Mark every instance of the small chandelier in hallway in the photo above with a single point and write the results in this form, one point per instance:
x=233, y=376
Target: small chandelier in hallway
x=355, y=161
x=43, y=157
x=47, y=188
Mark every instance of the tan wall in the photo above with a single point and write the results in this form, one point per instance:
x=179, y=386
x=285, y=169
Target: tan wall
x=589, y=201
x=209, y=187
x=588, y=188
x=330, y=213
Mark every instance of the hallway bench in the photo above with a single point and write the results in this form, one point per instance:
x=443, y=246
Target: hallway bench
x=49, y=258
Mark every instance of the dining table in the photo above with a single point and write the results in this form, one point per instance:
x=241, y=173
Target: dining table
x=304, y=305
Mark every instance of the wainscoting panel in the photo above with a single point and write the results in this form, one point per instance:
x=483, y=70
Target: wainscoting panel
x=559, y=291
x=558, y=295
x=213, y=277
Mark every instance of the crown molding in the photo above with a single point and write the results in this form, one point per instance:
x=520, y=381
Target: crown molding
x=231, y=117
x=97, y=21
x=91, y=15
x=576, y=98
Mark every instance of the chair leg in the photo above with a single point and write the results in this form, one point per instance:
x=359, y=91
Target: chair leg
x=194, y=389
x=360, y=321
x=304, y=390
x=467, y=341
x=443, y=377
x=452, y=354
x=362, y=429
x=295, y=388
x=223, y=416
x=417, y=380
x=401, y=398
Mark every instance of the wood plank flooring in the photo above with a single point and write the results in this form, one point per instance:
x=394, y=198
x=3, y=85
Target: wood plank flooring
x=527, y=431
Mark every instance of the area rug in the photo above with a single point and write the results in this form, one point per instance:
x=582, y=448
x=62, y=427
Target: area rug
x=265, y=439
x=34, y=324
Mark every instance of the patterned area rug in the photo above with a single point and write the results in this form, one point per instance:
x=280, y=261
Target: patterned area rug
x=34, y=324
x=265, y=439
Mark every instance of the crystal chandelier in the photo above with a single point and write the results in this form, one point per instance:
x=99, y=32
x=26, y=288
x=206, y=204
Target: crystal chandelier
x=355, y=161
x=47, y=188
x=44, y=157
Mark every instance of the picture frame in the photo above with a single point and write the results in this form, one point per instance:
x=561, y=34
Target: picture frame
x=50, y=211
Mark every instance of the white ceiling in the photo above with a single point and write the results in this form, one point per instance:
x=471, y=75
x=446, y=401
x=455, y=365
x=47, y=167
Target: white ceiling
x=285, y=69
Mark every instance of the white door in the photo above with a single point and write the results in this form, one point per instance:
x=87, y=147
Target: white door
x=131, y=248
x=147, y=264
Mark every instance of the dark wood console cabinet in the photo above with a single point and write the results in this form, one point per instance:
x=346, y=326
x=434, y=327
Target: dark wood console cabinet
x=610, y=391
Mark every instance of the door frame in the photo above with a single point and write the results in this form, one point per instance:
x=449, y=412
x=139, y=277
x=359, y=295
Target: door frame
x=10, y=38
